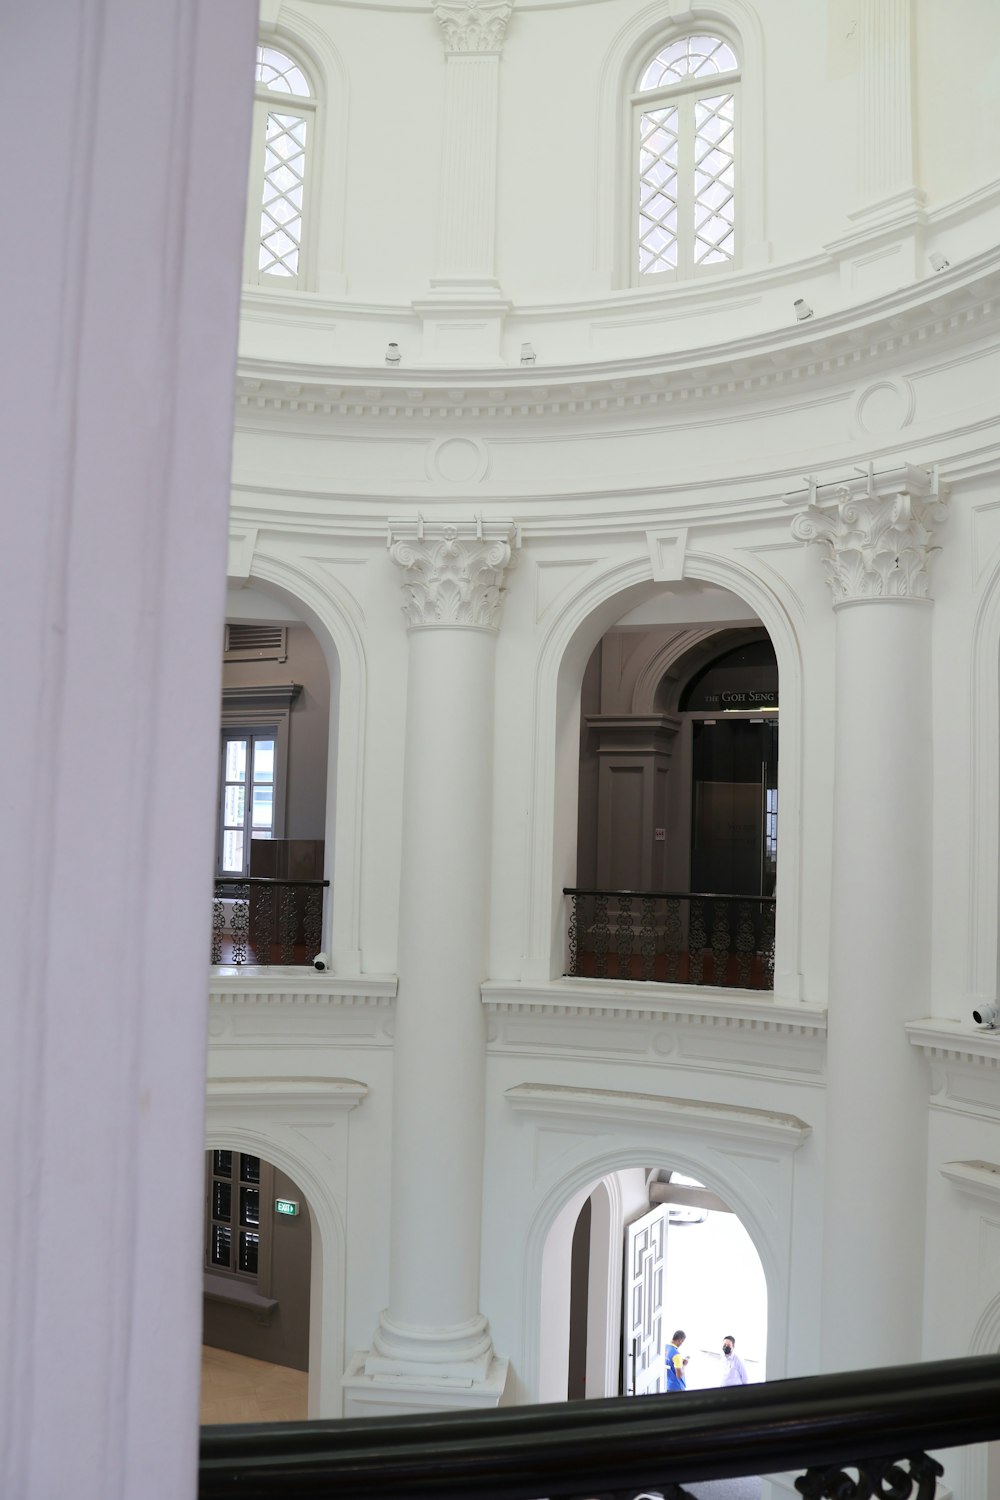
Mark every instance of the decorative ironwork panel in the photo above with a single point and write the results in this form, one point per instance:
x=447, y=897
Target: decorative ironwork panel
x=697, y=939
x=745, y=944
x=623, y=935
x=218, y=928
x=602, y=936
x=673, y=939
x=884, y=1478
x=288, y=923
x=574, y=934
x=241, y=922
x=262, y=897
x=647, y=937
x=721, y=941
x=312, y=921
x=767, y=945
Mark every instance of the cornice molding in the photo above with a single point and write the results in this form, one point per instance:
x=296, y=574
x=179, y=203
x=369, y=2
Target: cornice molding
x=875, y=534
x=341, y=1094
x=598, y=999
x=275, y=695
x=454, y=571
x=924, y=326
x=956, y=1042
x=472, y=26
x=726, y=1121
x=281, y=989
x=977, y=1179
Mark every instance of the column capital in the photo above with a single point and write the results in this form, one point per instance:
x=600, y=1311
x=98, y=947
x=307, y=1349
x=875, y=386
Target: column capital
x=473, y=25
x=454, y=570
x=875, y=532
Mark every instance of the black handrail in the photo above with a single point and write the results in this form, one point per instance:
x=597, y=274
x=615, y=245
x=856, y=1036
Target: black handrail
x=865, y=1418
x=226, y=880
x=579, y=890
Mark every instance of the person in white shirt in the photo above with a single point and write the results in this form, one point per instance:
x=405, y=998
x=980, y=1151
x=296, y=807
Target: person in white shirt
x=736, y=1370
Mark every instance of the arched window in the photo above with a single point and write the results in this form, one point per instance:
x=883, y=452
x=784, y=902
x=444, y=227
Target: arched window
x=281, y=169
x=685, y=143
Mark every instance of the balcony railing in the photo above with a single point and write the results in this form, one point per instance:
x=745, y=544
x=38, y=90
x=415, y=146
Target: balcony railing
x=881, y=1423
x=263, y=921
x=685, y=937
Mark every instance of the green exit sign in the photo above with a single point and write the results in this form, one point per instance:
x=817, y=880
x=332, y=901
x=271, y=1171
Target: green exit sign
x=286, y=1206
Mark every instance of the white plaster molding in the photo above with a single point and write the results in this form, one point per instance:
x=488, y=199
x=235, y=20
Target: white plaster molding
x=983, y=900
x=956, y=1041
x=875, y=534
x=885, y=109
x=918, y=323
x=273, y=1095
x=977, y=1179
x=284, y=988
x=477, y=26
x=540, y=1101
x=589, y=999
x=454, y=571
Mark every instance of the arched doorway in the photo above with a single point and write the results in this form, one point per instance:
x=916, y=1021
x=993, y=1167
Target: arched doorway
x=678, y=800
x=274, y=777
x=679, y=1258
x=257, y=1255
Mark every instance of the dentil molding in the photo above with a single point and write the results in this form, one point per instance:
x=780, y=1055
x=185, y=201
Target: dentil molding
x=473, y=25
x=454, y=572
x=875, y=533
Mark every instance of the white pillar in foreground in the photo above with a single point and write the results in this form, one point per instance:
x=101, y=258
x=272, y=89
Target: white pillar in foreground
x=433, y=1346
x=876, y=537
x=119, y=352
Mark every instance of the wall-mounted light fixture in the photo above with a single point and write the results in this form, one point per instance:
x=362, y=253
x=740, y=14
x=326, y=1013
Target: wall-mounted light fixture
x=938, y=261
x=802, y=309
x=527, y=354
x=392, y=354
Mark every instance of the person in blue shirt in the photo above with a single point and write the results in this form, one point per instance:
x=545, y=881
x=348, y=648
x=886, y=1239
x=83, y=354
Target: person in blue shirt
x=676, y=1379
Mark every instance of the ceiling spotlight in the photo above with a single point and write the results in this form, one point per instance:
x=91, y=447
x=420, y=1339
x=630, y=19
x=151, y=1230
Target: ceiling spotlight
x=802, y=309
x=392, y=354
x=938, y=261
x=527, y=354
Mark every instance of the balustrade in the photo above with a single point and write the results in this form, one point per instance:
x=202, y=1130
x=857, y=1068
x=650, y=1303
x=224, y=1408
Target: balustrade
x=267, y=922
x=675, y=937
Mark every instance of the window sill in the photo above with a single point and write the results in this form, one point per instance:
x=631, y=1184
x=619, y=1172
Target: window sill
x=237, y=1294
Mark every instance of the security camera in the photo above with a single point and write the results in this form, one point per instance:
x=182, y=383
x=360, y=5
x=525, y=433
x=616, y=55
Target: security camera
x=321, y=962
x=987, y=1015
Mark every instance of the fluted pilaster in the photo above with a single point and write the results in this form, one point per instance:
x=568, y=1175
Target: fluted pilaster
x=886, y=154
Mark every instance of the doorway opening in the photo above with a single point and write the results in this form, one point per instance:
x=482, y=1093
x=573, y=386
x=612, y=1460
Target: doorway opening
x=257, y=1254
x=654, y=1250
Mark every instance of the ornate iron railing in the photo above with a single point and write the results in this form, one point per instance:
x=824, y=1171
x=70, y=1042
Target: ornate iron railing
x=880, y=1423
x=685, y=937
x=264, y=921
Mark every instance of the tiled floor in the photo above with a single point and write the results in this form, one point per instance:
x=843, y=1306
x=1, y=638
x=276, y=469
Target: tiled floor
x=236, y=1389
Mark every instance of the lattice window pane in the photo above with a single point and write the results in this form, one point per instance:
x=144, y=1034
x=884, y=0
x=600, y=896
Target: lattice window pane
x=278, y=72
x=658, y=190
x=281, y=207
x=688, y=57
x=714, y=180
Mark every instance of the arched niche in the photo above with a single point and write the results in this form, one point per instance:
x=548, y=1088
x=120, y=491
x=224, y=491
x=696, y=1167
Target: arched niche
x=582, y=618
x=334, y=617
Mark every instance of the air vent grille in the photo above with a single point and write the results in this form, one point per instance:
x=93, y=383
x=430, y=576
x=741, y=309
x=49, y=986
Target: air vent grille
x=256, y=643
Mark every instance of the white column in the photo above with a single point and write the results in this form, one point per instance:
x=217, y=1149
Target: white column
x=432, y=1335
x=876, y=539
x=463, y=313
x=119, y=354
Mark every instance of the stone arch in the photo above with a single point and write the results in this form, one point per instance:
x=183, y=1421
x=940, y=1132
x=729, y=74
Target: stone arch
x=633, y=1147
x=335, y=619
x=564, y=650
x=327, y=1273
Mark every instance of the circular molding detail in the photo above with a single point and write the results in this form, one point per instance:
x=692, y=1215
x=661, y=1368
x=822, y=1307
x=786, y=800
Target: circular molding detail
x=884, y=407
x=457, y=460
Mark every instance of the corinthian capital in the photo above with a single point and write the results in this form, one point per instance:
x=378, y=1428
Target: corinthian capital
x=876, y=534
x=473, y=25
x=454, y=573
